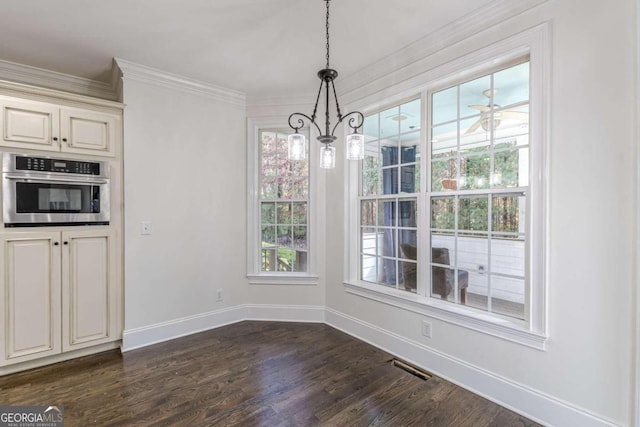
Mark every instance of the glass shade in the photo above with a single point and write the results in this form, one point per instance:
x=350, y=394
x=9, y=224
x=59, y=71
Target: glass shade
x=297, y=146
x=327, y=157
x=355, y=146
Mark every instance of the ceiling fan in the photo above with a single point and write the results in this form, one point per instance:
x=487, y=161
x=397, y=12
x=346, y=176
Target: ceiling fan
x=485, y=114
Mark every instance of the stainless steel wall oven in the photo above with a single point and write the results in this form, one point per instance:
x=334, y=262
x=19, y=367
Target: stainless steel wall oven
x=48, y=191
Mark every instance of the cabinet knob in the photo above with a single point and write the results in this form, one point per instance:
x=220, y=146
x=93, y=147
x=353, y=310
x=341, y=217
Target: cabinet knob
x=55, y=138
x=56, y=243
x=64, y=139
x=66, y=243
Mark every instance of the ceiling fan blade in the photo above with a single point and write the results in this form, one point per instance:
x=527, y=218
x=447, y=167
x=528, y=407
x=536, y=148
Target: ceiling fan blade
x=482, y=108
x=474, y=127
x=517, y=115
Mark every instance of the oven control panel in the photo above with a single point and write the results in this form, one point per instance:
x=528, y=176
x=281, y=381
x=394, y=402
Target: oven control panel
x=40, y=164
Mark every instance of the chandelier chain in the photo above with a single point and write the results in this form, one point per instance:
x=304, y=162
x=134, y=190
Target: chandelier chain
x=327, y=33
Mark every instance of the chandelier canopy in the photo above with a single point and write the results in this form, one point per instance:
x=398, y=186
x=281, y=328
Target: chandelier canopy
x=355, y=141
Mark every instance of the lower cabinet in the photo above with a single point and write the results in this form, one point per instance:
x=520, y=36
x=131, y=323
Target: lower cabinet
x=60, y=292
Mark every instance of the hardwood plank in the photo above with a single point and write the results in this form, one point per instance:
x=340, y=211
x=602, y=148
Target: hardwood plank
x=251, y=374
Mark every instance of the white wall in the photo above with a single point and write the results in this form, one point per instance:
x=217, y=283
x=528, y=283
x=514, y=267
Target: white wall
x=185, y=172
x=588, y=363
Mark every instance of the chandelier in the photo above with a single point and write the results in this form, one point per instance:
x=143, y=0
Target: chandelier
x=355, y=141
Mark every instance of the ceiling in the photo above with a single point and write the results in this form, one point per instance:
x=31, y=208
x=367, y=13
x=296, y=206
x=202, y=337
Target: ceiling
x=260, y=47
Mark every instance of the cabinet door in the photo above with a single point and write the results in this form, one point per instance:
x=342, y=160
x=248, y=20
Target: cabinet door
x=30, y=125
x=88, y=132
x=89, y=294
x=30, y=309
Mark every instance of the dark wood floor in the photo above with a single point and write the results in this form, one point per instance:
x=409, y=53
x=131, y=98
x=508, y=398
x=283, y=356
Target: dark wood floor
x=251, y=374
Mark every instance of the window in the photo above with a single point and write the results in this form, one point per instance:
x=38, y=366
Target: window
x=444, y=201
x=479, y=138
x=283, y=205
x=282, y=242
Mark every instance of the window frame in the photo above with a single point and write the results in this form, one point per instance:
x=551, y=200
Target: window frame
x=531, y=332
x=254, y=247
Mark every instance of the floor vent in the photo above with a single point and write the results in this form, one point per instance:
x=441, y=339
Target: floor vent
x=411, y=369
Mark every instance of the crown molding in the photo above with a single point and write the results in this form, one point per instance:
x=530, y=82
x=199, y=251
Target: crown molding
x=465, y=27
x=281, y=101
x=144, y=74
x=26, y=74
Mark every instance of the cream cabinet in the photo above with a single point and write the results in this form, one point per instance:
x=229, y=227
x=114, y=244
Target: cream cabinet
x=50, y=127
x=60, y=292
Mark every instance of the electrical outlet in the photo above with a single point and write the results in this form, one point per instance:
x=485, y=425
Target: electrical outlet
x=145, y=228
x=219, y=295
x=426, y=329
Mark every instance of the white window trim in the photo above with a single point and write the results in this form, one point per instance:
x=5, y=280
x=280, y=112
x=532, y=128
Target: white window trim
x=535, y=43
x=254, y=273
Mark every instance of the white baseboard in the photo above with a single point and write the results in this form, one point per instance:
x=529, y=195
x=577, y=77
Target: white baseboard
x=165, y=331
x=153, y=334
x=530, y=403
x=285, y=313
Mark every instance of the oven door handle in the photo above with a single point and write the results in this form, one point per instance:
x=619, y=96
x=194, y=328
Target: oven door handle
x=56, y=180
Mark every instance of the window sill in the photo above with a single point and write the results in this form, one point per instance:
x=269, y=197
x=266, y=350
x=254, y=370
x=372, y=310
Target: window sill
x=510, y=330
x=304, y=279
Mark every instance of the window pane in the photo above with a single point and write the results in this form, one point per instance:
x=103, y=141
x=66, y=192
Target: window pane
x=408, y=213
x=441, y=284
x=388, y=272
x=444, y=140
x=387, y=213
x=390, y=180
x=269, y=188
x=300, y=187
x=284, y=187
x=409, y=179
x=507, y=256
x=268, y=213
x=443, y=213
x=410, y=116
x=443, y=175
x=284, y=213
x=445, y=105
x=478, y=292
x=389, y=151
x=369, y=267
x=368, y=212
x=370, y=128
x=269, y=259
x=506, y=211
x=299, y=213
x=410, y=144
x=512, y=85
x=389, y=122
x=370, y=240
x=371, y=174
x=475, y=96
x=473, y=137
x=510, y=170
x=475, y=172
x=300, y=237
x=284, y=236
x=443, y=248
x=388, y=247
x=268, y=143
x=508, y=296
x=474, y=214
x=268, y=235
x=409, y=280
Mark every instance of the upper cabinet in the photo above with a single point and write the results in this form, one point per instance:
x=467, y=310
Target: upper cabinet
x=42, y=126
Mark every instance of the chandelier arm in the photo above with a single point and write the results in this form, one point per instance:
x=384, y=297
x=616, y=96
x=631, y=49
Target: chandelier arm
x=301, y=122
x=352, y=120
x=315, y=107
x=335, y=96
x=327, y=118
